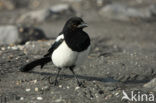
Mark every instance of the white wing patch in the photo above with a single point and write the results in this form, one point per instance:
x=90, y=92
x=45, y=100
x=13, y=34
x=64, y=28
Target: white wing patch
x=59, y=37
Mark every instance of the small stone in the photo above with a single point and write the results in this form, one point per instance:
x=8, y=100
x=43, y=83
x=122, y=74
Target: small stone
x=17, y=58
x=9, y=47
x=59, y=100
x=36, y=89
x=27, y=43
x=96, y=95
x=17, y=83
x=116, y=94
x=45, y=88
x=21, y=98
x=77, y=88
x=39, y=98
x=14, y=48
x=21, y=47
x=60, y=86
x=35, y=81
x=3, y=48
x=94, y=81
x=27, y=90
x=67, y=87
x=27, y=61
x=10, y=56
x=108, y=96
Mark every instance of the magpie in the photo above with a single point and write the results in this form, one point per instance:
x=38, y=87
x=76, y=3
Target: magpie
x=69, y=50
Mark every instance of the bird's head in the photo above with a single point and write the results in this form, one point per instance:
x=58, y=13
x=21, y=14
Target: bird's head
x=75, y=23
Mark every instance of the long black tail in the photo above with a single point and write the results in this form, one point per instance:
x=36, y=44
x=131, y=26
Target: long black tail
x=31, y=65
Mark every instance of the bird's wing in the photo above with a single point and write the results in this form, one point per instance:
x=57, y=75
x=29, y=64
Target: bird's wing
x=57, y=42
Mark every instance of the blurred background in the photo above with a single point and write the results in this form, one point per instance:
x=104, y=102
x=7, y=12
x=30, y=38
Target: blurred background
x=123, y=55
x=24, y=20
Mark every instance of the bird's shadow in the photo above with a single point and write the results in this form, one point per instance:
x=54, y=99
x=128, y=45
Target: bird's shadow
x=91, y=78
x=88, y=78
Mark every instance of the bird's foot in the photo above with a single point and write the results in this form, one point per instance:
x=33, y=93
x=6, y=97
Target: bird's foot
x=55, y=82
x=81, y=84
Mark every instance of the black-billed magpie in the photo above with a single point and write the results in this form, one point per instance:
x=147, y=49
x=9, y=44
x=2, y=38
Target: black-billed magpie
x=70, y=49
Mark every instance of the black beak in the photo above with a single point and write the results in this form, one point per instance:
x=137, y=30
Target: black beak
x=82, y=25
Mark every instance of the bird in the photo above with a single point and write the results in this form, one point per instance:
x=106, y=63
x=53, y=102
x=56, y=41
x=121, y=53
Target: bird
x=69, y=50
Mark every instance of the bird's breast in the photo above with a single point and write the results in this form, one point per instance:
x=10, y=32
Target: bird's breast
x=63, y=56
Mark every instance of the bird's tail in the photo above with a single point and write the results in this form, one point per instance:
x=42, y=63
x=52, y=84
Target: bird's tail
x=31, y=65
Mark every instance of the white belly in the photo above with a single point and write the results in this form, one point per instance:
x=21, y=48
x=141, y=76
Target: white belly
x=63, y=56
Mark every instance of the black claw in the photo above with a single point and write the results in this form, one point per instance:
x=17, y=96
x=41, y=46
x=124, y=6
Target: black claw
x=49, y=79
x=80, y=84
x=55, y=83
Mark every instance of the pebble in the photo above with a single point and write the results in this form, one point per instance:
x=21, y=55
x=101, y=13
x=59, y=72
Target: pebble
x=27, y=61
x=96, y=95
x=27, y=90
x=116, y=94
x=21, y=98
x=39, y=98
x=3, y=48
x=36, y=89
x=67, y=87
x=14, y=48
x=94, y=81
x=35, y=81
x=45, y=87
x=9, y=47
x=59, y=100
x=27, y=43
x=17, y=83
x=17, y=58
x=20, y=47
x=60, y=86
x=77, y=88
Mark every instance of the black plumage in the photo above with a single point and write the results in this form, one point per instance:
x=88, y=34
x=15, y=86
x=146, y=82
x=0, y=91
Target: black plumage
x=53, y=47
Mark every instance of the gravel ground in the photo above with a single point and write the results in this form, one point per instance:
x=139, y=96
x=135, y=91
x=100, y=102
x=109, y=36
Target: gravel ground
x=123, y=57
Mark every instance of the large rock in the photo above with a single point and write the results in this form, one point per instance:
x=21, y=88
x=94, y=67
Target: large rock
x=6, y=4
x=63, y=9
x=125, y=13
x=13, y=4
x=35, y=16
x=60, y=10
x=12, y=34
x=9, y=34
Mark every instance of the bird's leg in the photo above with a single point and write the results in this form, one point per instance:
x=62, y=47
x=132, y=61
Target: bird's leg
x=55, y=82
x=72, y=70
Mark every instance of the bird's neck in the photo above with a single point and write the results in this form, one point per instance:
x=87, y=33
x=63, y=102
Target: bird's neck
x=71, y=32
